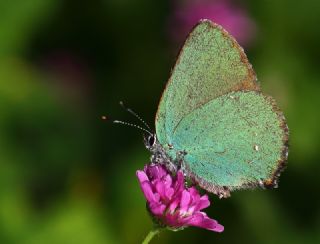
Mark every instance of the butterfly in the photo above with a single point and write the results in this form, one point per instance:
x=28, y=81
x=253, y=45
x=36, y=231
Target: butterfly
x=213, y=122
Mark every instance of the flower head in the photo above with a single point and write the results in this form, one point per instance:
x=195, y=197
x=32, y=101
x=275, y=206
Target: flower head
x=171, y=203
x=231, y=16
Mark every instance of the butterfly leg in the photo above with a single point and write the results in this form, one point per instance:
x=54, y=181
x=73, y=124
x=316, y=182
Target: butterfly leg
x=174, y=165
x=180, y=160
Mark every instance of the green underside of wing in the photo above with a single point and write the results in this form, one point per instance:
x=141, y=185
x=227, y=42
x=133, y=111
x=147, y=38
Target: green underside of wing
x=233, y=141
x=234, y=136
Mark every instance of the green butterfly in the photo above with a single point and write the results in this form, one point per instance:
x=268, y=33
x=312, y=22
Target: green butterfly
x=213, y=122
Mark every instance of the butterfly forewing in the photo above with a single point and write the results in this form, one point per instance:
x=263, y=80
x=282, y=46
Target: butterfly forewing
x=210, y=64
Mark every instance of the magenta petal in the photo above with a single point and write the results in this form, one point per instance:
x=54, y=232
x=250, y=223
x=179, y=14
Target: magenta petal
x=168, y=180
x=155, y=171
x=195, y=197
x=173, y=205
x=173, y=220
x=213, y=225
x=162, y=172
x=218, y=228
x=194, y=193
x=185, y=200
x=179, y=186
x=201, y=220
x=157, y=209
x=180, y=178
x=156, y=197
x=160, y=188
x=142, y=176
x=169, y=193
x=147, y=191
x=202, y=203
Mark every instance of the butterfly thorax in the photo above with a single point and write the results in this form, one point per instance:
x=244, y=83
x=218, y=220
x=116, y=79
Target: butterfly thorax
x=159, y=155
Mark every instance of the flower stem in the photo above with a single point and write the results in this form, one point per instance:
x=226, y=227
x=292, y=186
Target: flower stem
x=151, y=234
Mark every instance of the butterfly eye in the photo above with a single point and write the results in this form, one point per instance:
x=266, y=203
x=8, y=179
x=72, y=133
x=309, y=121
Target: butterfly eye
x=151, y=140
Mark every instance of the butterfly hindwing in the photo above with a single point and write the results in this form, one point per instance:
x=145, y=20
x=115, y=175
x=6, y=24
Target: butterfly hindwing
x=237, y=140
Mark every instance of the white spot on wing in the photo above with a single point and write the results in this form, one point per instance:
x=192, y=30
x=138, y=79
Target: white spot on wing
x=261, y=183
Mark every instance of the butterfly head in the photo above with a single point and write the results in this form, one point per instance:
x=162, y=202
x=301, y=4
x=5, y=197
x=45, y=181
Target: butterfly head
x=150, y=141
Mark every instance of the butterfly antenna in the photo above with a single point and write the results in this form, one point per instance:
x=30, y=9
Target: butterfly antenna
x=135, y=115
x=132, y=125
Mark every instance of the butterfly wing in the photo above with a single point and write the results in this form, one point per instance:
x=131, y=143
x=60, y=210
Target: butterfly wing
x=230, y=144
x=210, y=64
x=237, y=140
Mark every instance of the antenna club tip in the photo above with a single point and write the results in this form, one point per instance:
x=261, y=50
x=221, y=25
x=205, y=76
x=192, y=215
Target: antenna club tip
x=103, y=117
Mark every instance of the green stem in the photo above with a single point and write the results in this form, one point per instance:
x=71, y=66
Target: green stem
x=150, y=235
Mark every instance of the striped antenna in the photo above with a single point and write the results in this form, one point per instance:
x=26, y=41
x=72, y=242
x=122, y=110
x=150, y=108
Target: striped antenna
x=132, y=125
x=134, y=114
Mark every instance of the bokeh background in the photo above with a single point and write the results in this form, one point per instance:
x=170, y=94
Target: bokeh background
x=66, y=176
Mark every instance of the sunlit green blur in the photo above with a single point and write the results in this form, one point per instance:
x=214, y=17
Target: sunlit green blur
x=66, y=176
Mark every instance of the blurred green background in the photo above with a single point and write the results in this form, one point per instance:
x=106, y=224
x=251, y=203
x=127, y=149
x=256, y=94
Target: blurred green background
x=66, y=176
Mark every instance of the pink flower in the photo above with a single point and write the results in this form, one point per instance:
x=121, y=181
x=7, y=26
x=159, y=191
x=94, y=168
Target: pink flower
x=224, y=12
x=171, y=203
